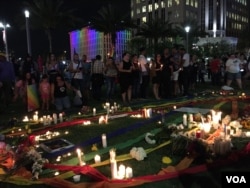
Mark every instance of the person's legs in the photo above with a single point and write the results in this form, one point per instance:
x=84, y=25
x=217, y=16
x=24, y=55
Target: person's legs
x=59, y=104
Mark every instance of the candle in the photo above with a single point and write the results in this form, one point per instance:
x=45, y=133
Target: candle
x=61, y=117
x=104, y=140
x=206, y=127
x=185, y=119
x=54, y=118
x=113, y=163
x=121, y=172
x=101, y=120
x=44, y=120
x=35, y=117
x=79, y=156
x=97, y=158
x=191, y=118
x=113, y=166
x=94, y=111
x=129, y=172
x=174, y=107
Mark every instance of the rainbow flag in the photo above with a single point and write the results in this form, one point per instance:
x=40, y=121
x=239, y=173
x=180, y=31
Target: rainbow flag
x=32, y=98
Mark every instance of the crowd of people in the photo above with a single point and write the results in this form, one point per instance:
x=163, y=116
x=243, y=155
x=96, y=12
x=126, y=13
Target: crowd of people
x=168, y=74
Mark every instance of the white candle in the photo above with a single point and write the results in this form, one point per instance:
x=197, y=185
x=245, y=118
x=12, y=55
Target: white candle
x=35, y=117
x=54, y=118
x=94, y=111
x=97, y=158
x=104, y=140
x=44, y=120
x=185, y=119
x=129, y=172
x=174, y=107
x=113, y=166
x=121, y=172
x=61, y=117
x=191, y=118
x=101, y=119
x=79, y=156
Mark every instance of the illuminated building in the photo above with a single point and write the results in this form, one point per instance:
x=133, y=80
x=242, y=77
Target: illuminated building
x=219, y=18
x=91, y=42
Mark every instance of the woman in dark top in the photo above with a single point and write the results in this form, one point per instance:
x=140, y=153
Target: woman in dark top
x=136, y=77
x=59, y=95
x=126, y=79
x=156, y=68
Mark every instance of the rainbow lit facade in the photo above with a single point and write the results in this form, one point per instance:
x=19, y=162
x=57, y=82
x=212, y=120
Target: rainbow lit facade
x=91, y=42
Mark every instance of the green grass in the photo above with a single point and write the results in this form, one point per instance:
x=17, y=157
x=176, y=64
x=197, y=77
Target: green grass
x=153, y=163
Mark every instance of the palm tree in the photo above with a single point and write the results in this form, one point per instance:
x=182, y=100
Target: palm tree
x=155, y=30
x=109, y=20
x=50, y=15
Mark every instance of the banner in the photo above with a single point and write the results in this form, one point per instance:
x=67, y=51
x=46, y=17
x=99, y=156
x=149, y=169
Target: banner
x=32, y=98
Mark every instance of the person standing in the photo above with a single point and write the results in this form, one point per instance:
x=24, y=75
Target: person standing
x=233, y=66
x=184, y=73
x=126, y=79
x=136, y=77
x=111, y=72
x=155, y=69
x=97, y=77
x=86, y=77
x=7, y=79
x=44, y=89
x=215, y=66
x=52, y=67
x=76, y=69
x=167, y=74
x=145, y=78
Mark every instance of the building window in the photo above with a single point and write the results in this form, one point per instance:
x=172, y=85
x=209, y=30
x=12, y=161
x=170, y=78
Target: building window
x=138, y=11
x=170, y=3
x=144, y=9
x=150, y=8
x=144, y=19
x=177, y=2
x=187, y=2
x=163, y=4
x=156, y=6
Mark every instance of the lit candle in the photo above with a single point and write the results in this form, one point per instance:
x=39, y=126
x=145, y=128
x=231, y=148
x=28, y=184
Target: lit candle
x=129, y=172
x=191, y=118
x=174, y=107
x=94, y=111
x=79, y=156
x=97, y=158
x=121, y=172
x=101, y=119
x=35, y=117
x=61, y=117
x=54, y=118
x=206, y=127
x=44, y=120
x=113, y=164
x=185, y=119
x=104, y=140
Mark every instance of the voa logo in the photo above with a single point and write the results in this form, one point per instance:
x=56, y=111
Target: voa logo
x=236, y=179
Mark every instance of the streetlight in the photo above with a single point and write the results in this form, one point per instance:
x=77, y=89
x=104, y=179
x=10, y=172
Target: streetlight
x=187, y=29
x=27, y=15
x=5, y=26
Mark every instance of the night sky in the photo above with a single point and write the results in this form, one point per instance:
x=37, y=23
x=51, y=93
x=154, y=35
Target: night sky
x=17, y=41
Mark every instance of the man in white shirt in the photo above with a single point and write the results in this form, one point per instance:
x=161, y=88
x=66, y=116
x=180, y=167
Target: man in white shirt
x=233, y=66
x=184, y=74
